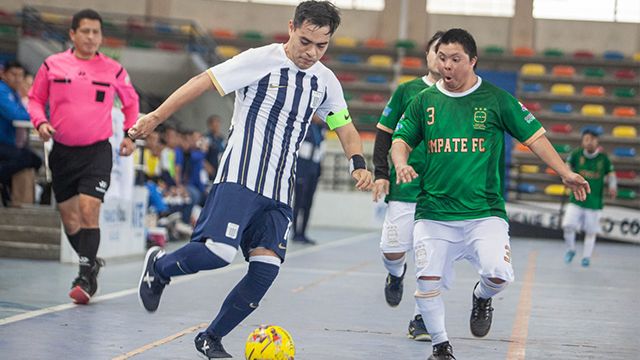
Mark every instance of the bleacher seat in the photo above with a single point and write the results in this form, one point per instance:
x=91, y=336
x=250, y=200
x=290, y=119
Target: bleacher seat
x=563, y=89
x=623, y=131
x=187, y=29
x=626, y=194
x=593, y=128
x=404, y=78
x=553, y=53
x=346, y=77
x=349, y=58
x=624, y=111
x=163, y=28
x=522, y=148
x=532, y=69
x=593, y=90
x=532, y=87
x=583, y=54
x=563, y=71
x=113, y=42
x=527, y=188
x=562, y=108
x=523, y=51
x=494, y=50
x=169, y=46
x=405, y=44
x=345, y=41
x=227, y=51
x=373, y=98
x=613, y=55
x=562, y=148
x=626, y=174
x=375, y=43
x=624, y=152
x=529, y=169
x=550, y=171
x=380, y=61
x=561, y=128
x=223, y=34
x=624, y=92
x=348, y=96
x=636, y=56
x=411, y=62
x=368, y=119
x=594, y=72
x=592, y=110
x=625, y=74
x=376, y=79
x=141, y=44
x=533, y=106
x=281, y=37
x=252, y=35
x=556, y=190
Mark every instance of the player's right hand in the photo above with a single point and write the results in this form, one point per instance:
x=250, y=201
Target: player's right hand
x=380, y=189
x=363, y=178
x=144, y=126
x=578, y=185
x=46, y=131
x=405, y=174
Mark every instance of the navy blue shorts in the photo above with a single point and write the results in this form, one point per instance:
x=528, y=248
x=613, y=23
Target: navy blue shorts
x=237, y=216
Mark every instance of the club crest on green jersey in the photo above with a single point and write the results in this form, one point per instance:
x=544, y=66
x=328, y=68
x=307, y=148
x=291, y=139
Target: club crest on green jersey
x=479, y=118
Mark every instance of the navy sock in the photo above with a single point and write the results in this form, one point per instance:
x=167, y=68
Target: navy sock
x=189, y=259
x=244, y=298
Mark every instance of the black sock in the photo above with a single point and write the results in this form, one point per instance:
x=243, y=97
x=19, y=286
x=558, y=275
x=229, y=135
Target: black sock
x=74, y=240
x=88, y=249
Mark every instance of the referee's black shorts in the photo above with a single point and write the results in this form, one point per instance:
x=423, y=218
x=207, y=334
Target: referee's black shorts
x=80, y=170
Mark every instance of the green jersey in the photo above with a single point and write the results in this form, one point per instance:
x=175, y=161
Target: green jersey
x=464, y=142
x=392, y=113
x=594, y=170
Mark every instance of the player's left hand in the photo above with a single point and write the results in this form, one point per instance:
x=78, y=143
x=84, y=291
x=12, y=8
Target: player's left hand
x=613, y=193
x=127, y=146
x=578, y=185
x=144, y=126
x=363, y=178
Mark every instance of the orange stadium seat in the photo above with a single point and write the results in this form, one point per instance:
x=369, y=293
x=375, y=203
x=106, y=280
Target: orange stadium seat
x=563, y=89
x=113, y=42
x=375, y=43
x=593, y=90
x=345, y=41
x=624, y=111
x=223, y=34
x=623, y=131
x=561, y=128
x=592, y=110
x=404, y=78
x=564, y=71
x=522, y=148
x=380, y=61
x=523, y=51
x=532, y=70
x=412, y=62
x=550, y=171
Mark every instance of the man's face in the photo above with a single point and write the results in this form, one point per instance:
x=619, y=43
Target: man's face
x=455, y=66
x=307, y=44
x=214, y=126
x=14, y=77
x=86, y=38
x=432, y=60
x=590, y=142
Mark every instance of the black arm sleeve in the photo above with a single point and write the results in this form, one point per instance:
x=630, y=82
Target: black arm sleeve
x=381, y=154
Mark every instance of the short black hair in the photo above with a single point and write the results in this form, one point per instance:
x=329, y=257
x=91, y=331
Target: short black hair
x=319, y=13
x=437, y=36
x=590, y=131
x=84, y=14
x=12, y=64
x=462, y=37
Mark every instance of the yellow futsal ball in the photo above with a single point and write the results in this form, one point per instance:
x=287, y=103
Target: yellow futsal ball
x=269, y=342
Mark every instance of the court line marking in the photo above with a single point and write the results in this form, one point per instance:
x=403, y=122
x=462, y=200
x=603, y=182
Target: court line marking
x=331, y=276
x=160, y=342
x=518, y=342
x=229, y=268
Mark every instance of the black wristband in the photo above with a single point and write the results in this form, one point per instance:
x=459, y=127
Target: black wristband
x=356, y=162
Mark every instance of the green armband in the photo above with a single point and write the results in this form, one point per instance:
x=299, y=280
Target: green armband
x=338, y=119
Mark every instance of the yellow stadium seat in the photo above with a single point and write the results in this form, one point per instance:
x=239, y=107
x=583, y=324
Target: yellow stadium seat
x=345, y=41
x=636, y=56
x=533, y=70
x=529, y=169
x=624, y=131
x=227, y=51
x=556, y=190
x=380, y=60
x=404, y=78
x=593, y=110
x=563, y=89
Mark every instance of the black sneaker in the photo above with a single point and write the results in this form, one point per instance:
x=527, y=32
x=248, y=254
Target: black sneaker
x=481, y=315
x=417, y=330
x=151, y=285
x=211, y=347
x=81, y=290
x=393, y=288
x=93, y=275
x=442, y=351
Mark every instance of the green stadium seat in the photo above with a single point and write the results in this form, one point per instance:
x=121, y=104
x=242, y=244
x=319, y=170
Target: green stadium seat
x=625, y=92
x=141, y=44
x=562, y=148
x=252, y=35
x=368, y=119
x=626, y=194
x=494, y=50
x=405, y=44
x=553, y=53
x=594, y=72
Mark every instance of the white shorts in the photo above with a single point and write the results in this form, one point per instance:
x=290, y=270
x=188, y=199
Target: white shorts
x=579, y=218
x=483, y=242
x=397, y=230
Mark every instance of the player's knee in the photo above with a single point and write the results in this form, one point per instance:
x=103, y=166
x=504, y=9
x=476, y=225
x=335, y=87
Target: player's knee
x=224, y=251
x=497, y=281
x=393, y=256
x=428, y=287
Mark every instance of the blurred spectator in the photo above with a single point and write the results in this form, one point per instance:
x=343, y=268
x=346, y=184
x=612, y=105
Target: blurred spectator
x=216, y=146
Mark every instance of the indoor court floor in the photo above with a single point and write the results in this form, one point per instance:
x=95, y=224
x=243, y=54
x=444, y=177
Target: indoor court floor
x=330, y=298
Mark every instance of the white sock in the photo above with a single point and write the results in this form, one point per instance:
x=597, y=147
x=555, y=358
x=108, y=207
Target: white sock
x=589, y=244
x=570, y=238
x=487, y=289
x=416, y=311
x=431, y=305
x=394, y=267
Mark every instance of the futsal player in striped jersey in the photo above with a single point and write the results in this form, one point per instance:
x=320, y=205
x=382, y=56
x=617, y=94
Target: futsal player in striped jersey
x=278, y=89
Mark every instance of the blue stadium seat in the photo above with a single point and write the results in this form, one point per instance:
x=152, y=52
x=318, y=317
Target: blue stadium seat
x=613, y=55
x=527, y=188
x=376, y=79
x=349, y=58
x=532, y=87
x=624, y=152
x=562, y=108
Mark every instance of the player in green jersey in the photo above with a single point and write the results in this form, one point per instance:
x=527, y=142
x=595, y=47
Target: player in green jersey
x=460, y=212
x=595, y=166
x=397, y=230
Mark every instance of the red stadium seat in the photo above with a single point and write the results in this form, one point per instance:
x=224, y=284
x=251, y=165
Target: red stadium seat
x=346, y=77
x=583, y=54
x=168, y=46
x=533, y=106
x=625, y=74
x=281, y=37
x=561, y=128
x=626, y=174
x=373, y=98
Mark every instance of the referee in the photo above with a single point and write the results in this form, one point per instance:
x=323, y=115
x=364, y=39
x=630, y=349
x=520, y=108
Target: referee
x=80, y=85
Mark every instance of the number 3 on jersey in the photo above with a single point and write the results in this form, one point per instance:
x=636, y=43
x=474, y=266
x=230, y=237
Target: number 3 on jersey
x=431, y=112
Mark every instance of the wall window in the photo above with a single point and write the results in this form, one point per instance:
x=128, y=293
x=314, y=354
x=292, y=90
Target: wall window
x=601, y=10
x=376, y=5
x=502, y=8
